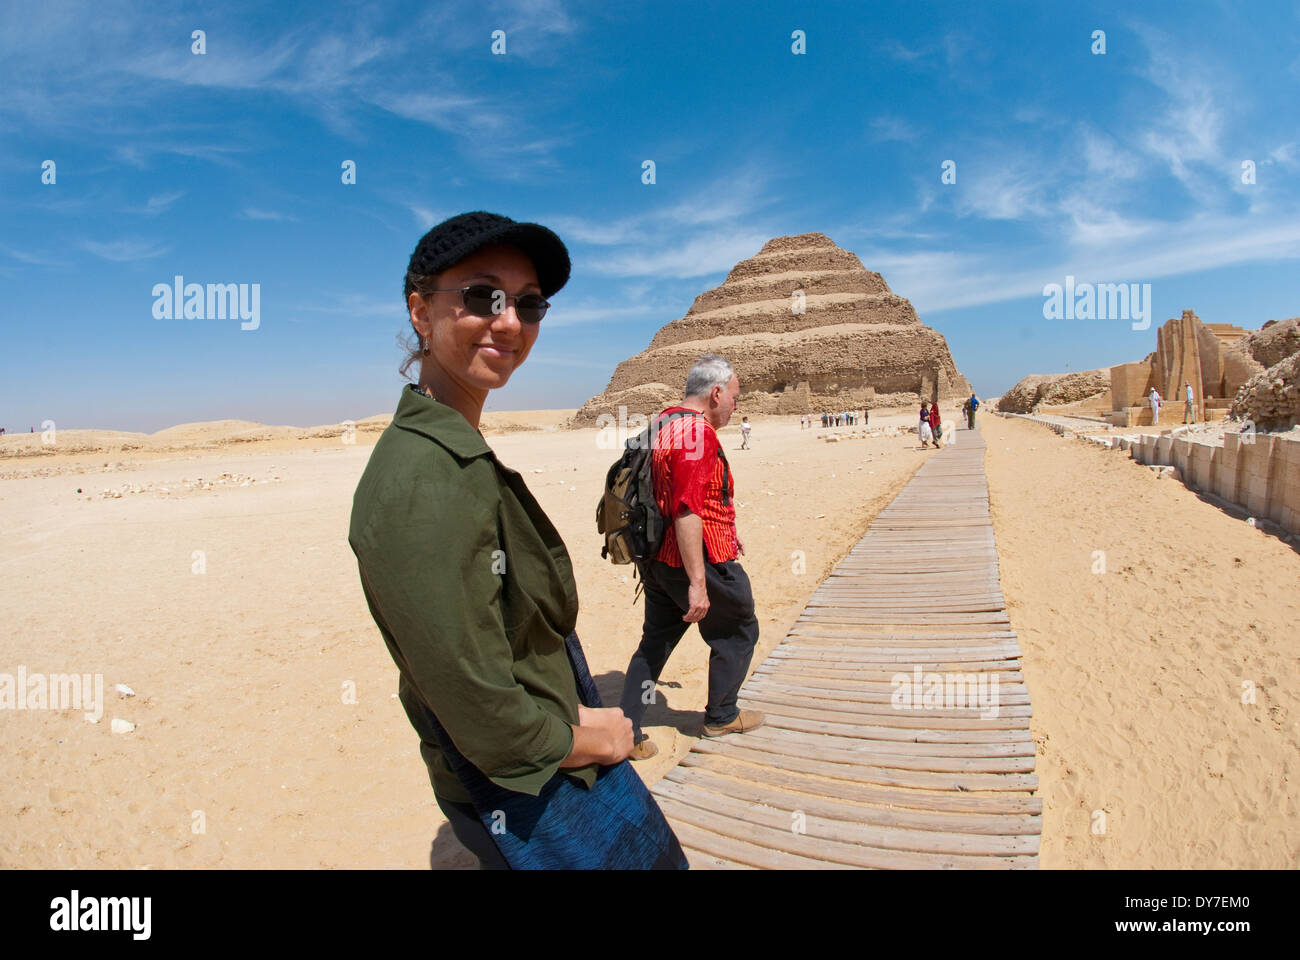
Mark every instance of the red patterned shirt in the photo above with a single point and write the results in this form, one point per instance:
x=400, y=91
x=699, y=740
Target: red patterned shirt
x=689, y=470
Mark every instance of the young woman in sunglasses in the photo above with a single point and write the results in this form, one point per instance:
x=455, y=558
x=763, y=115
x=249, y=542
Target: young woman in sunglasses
x=468, y=581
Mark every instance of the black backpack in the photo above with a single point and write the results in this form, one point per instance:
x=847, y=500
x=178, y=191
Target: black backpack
x=628, y=514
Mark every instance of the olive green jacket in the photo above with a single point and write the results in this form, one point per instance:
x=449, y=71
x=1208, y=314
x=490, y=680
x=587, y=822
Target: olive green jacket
x=473, y=592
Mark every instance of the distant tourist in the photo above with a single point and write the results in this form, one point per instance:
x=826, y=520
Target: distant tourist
x=824, y=418
x=1189, y=414
x=935, y=425
x=866, y=416
x=923, y=430
x=1155, y=406
x=492, y=676
x=695, y=577
x=745, y=427
x=973, y=405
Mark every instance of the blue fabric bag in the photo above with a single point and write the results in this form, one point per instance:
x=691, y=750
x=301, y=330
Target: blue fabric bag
x=615, y=825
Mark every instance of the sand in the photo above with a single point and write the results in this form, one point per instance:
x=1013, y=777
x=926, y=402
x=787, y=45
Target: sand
x=267, y=729
x=1137, y=673
x=264, y=704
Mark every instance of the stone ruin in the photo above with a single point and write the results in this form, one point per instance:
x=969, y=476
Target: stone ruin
x=806, y=327
x=1216, y=358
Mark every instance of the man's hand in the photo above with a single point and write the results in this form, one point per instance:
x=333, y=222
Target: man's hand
x=697, y=595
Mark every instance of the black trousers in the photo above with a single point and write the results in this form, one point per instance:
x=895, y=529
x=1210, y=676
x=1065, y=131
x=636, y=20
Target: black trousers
x=470, y=831
x=729, y=628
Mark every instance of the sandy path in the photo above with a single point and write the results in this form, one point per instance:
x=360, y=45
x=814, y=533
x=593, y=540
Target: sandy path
x=1137, y=673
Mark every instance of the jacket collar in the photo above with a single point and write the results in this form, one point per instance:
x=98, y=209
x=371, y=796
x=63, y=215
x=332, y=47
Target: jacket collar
x=440, y=423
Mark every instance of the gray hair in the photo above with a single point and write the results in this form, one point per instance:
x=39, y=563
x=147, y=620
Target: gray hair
x=709, y=371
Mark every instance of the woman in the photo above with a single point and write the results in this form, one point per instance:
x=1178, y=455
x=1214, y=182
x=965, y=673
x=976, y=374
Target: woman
x=468, y=581
x=936, y=428
x=923, y=430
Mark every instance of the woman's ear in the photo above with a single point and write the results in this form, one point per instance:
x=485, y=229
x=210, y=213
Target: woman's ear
x=419, y=314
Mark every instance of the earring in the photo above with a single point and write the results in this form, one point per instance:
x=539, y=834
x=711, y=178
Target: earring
x=426, y=347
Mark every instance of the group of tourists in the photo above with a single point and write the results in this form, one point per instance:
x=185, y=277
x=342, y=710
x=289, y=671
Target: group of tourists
x=930, y=428
x=473, y=591
x=847, y=418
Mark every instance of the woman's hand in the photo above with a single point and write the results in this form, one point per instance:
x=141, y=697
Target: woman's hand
x=603, y=735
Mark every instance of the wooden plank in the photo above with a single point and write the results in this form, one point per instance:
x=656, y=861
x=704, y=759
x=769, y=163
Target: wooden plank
x=754, y=824
x=809, y=720
x=741, y=851
x=874, y=826
x=699, y=860
x=871, y=703
x=934, y=773
x=1019, y=811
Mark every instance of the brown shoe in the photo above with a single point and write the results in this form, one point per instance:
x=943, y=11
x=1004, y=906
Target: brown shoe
x=644, y=750
x=745, y=721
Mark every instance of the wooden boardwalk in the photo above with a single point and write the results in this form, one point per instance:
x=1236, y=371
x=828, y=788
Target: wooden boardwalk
x=840, y=776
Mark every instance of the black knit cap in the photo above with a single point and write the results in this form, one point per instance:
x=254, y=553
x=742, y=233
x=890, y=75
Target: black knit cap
x=456, y=238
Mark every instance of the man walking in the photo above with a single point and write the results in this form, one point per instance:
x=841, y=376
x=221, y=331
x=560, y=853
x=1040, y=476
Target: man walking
x=1155, y=407
x=695, y=577
x=973, y=405
x=1189, y=413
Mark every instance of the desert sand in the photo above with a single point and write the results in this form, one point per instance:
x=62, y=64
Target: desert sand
x=242, y=672
x=267, y=730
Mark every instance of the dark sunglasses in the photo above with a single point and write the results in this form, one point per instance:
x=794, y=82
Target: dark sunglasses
x=485, y=300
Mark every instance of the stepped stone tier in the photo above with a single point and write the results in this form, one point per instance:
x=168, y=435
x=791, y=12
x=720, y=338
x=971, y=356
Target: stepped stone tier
x=855, y=344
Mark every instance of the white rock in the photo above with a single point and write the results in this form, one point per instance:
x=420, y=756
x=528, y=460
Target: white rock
x=122, y=726
x=124, y=691
x=1251, y=521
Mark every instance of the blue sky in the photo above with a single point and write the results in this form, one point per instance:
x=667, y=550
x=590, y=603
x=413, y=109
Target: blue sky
x=225, y=167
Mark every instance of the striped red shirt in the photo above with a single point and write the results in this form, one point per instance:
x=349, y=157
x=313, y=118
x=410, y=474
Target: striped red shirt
x=688, y=471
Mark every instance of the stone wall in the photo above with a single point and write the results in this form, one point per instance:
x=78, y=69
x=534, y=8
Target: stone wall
x=1130, y=383
x=1260, y=472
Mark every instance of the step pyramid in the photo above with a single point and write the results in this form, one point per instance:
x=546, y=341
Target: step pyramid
x=806, y=327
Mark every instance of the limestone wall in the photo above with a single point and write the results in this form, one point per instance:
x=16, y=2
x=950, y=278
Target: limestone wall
x=1129, y=384
x=1259, y=472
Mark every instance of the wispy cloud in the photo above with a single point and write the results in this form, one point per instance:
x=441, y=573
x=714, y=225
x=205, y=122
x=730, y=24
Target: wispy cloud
x=124, y=251
x=1137, y=252
x=425, y=217
x=716, y=251
x=357, y=305
x=563, y=315
x=161, y=202
x=22, y=256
